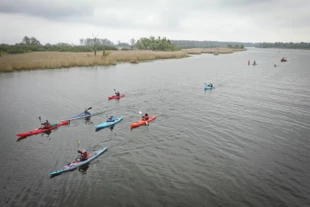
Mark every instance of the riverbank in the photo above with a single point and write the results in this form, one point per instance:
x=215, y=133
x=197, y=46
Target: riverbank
x=51, y=60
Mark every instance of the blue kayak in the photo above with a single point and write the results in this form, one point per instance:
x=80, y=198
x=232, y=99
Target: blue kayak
x=108, y=123
x=207, y=87
x=74, y=164
x=84, y=115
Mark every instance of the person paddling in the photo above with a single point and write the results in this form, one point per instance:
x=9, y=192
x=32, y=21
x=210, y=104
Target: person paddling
x=111, y=119
x=210, y=85
x=46, y=125
x=86, y=112
x=117, y=93
x=84, y=155
x=145, y=117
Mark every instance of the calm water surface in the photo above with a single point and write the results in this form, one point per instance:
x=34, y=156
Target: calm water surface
x=245, y=143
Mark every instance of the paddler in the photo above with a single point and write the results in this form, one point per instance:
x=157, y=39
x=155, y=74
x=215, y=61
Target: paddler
x=117, y=93
x=210, y=85
x=145, y=117
x=46, y=125
x=111, y=119
x=84, y=155
x=86, y=111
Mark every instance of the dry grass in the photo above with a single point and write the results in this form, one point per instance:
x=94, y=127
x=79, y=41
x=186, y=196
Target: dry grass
x=50, y=60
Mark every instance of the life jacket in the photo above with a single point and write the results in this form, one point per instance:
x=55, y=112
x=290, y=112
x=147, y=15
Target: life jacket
x=146, y=117
x=84, y=155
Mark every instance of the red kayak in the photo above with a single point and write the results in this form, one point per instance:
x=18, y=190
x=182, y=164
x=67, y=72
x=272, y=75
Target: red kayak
x=116, y=97
x=40, y=130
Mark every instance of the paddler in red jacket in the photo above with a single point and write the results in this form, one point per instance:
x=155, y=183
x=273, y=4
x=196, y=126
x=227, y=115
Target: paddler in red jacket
x=84, y=155
x=46, y=125
x=145, y=117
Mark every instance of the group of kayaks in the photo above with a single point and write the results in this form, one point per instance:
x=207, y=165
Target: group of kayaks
x=76, y=163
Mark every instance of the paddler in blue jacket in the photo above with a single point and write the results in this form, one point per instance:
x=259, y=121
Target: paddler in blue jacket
x=86, y=111
x=111, y=119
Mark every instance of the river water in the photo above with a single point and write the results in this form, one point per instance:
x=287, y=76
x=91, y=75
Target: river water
x=245, y=143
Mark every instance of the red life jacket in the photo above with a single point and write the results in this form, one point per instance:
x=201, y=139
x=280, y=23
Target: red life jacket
x=146, y=117
x=84, y=155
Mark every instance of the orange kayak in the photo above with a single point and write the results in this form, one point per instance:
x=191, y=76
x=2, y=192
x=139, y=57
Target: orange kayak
x=142, y=122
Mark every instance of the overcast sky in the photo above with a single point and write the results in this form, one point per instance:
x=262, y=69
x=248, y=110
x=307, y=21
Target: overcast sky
x=67, y=21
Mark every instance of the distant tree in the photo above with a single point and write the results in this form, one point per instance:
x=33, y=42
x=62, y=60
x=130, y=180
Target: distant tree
x=26, y=40
x=132, y=42
x=95, y=44
x=34, y=41
x=155, y=44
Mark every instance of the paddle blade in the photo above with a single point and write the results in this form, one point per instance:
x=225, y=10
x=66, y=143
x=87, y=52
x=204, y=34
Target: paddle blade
x=40, y=118
x=146, y=123
x=140, y=112
x=78, y=144
x=90, y=108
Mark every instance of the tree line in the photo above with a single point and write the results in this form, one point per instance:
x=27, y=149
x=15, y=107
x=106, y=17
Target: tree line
x=212, y=44
x=289, y=45
x=31, y=44
x=151, y=43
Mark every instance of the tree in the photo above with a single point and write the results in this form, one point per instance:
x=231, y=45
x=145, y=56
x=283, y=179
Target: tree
x=95, y=43
x=132, y=42
x=26, y=40
x=34, y=41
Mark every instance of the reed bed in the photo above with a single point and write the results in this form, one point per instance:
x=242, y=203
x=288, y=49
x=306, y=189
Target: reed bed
x=50, y=60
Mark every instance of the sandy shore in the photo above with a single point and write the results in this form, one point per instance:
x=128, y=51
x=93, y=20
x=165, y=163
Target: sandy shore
x=50, y=60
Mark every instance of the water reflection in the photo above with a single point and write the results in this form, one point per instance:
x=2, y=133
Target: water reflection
x=83, y=168
x=88, y=121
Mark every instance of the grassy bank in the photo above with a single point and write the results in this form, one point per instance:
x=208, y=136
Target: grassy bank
x=49, y=60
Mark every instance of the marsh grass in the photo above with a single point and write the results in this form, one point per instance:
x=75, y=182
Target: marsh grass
x=51, y=60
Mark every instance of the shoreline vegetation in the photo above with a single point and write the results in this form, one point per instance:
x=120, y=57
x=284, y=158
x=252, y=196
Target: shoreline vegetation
x=54, y=60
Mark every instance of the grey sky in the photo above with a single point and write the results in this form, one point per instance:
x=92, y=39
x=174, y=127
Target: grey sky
x=56, y=21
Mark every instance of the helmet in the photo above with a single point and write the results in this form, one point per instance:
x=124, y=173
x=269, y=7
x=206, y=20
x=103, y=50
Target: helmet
x=83, y=151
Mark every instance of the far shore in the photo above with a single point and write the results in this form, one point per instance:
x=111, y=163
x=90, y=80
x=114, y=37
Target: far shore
x=52, y=60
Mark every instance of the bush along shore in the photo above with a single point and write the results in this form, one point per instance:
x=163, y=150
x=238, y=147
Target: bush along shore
x=51, y=60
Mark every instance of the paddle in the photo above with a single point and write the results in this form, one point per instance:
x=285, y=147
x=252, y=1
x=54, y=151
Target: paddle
x=78, y=144
x=40, y=121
